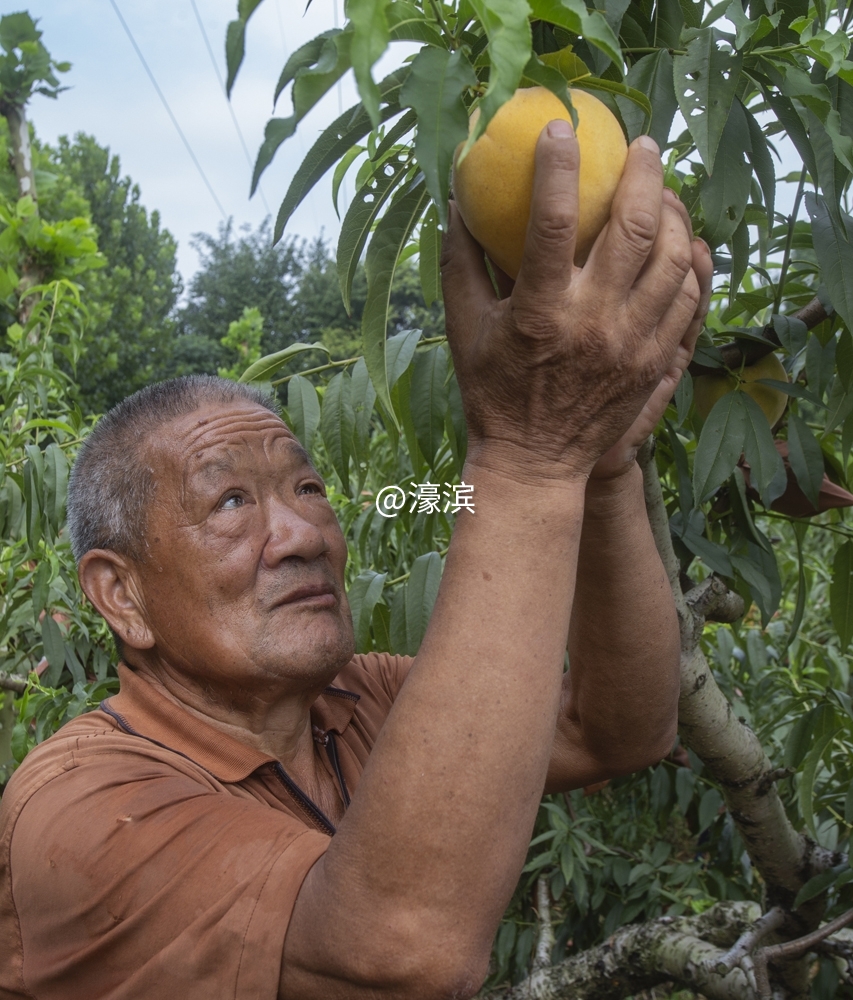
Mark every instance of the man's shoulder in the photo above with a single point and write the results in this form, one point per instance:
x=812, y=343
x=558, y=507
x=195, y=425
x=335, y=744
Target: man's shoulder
x=93, y=740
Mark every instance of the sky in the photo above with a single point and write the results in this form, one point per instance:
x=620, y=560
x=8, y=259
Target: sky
x=112, y=98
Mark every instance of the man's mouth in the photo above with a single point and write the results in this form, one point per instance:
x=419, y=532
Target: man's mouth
x=319, y=595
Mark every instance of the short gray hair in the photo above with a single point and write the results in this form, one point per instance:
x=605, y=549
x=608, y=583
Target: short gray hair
x=112, y=482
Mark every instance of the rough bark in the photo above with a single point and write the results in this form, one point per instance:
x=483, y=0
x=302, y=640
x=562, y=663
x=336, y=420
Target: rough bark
x=639, y=956
x=730, y=750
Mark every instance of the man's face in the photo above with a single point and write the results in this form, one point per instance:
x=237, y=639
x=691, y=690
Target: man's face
x=243, y=579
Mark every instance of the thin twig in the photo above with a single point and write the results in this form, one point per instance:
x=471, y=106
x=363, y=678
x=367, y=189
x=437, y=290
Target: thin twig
x=745, y=944
x=793, y=949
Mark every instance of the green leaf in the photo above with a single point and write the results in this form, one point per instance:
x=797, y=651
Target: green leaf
x=802, y=588
x=55, y=487
x=720, y=445
x=651, y=75
x=724, y=193
x=303, y=408
x=264, y=368
x=805, y=792
x=429, y=401
x=709, y=808
x=841, y=594
x=399, y=351
x=363, y=594
x=235, y=50
x=54, y=650
x=805, y=457
x=33, y=486
x=574, y=16
x=340, y=173
x=510, y=45
x=407, y=23
x=706, y=80
x=370, y=39
x=421, y=592
x=317, y=73
x=767, y=470
x=800, y=736
x=434, y=90
x=820, y=883
x=429, y=257
x=762, y=163
x=337, y=423
x=333, y=143
x=390, y=237
x=616, y=89
x=364, y=210
x=844, y=359
x=834, y=255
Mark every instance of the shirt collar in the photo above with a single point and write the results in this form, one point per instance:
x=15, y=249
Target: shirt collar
x=140, y=709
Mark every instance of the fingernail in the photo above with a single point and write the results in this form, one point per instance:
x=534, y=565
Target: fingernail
x=647, y=142
x=560, y=129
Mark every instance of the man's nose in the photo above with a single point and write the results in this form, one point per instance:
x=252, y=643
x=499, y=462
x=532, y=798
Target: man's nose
x=291, y=534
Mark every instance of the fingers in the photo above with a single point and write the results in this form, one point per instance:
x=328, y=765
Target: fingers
x=547, y=265
x=465, y=282
x=621, y=251
x=671, y=198
x=703, y=268
x=665, y=269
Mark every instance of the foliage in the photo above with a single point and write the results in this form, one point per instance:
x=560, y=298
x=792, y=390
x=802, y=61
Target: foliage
x=27, y=67
x=295, y=287
x=244, y=338
x=129, y=336
x=756, y=85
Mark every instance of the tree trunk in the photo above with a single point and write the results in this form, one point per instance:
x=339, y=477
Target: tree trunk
x=22, y=154
x=22, y=161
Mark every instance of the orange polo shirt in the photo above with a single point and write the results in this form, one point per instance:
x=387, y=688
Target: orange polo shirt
x=144, y=855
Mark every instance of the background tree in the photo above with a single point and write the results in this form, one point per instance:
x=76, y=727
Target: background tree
x=131, y=299
x=750, y=820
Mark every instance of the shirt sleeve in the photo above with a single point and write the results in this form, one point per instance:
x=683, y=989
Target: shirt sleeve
x=146, y=879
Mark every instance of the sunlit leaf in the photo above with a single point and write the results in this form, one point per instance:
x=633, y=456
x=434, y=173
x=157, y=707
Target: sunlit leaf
x=706, y=80
x=429, y=255
x=434, y=90
x=303, y=408
x=720, y=445
x=391, y=235
x=333, y=143
x=264, y=368
x=508, y=30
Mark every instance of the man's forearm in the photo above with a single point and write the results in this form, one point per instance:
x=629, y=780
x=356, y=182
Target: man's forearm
x=622, y=690
x=462, y=757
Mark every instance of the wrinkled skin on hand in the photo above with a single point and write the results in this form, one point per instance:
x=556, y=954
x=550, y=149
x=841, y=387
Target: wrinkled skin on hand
x=566, y=375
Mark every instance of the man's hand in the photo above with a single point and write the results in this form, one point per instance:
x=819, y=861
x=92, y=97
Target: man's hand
x=556, y=373
x=619, y=459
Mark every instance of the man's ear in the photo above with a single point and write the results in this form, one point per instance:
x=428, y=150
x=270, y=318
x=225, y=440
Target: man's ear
x=109, y=581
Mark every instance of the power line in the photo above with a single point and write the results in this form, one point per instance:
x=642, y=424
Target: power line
x=169, y=111
x=230, y=106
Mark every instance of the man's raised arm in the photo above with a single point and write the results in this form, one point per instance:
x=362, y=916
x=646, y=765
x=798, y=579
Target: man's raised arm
x=406, y=900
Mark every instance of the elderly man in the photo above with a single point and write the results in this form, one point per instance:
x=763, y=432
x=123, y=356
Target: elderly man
x=195, y=838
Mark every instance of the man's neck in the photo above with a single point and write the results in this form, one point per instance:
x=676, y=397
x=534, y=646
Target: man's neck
x=278, y=725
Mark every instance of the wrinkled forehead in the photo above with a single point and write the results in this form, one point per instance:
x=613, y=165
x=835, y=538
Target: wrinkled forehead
x=216, y=437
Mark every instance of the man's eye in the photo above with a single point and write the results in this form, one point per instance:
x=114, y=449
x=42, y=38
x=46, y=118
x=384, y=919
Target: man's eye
x=312, y=488
x=232, y=502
